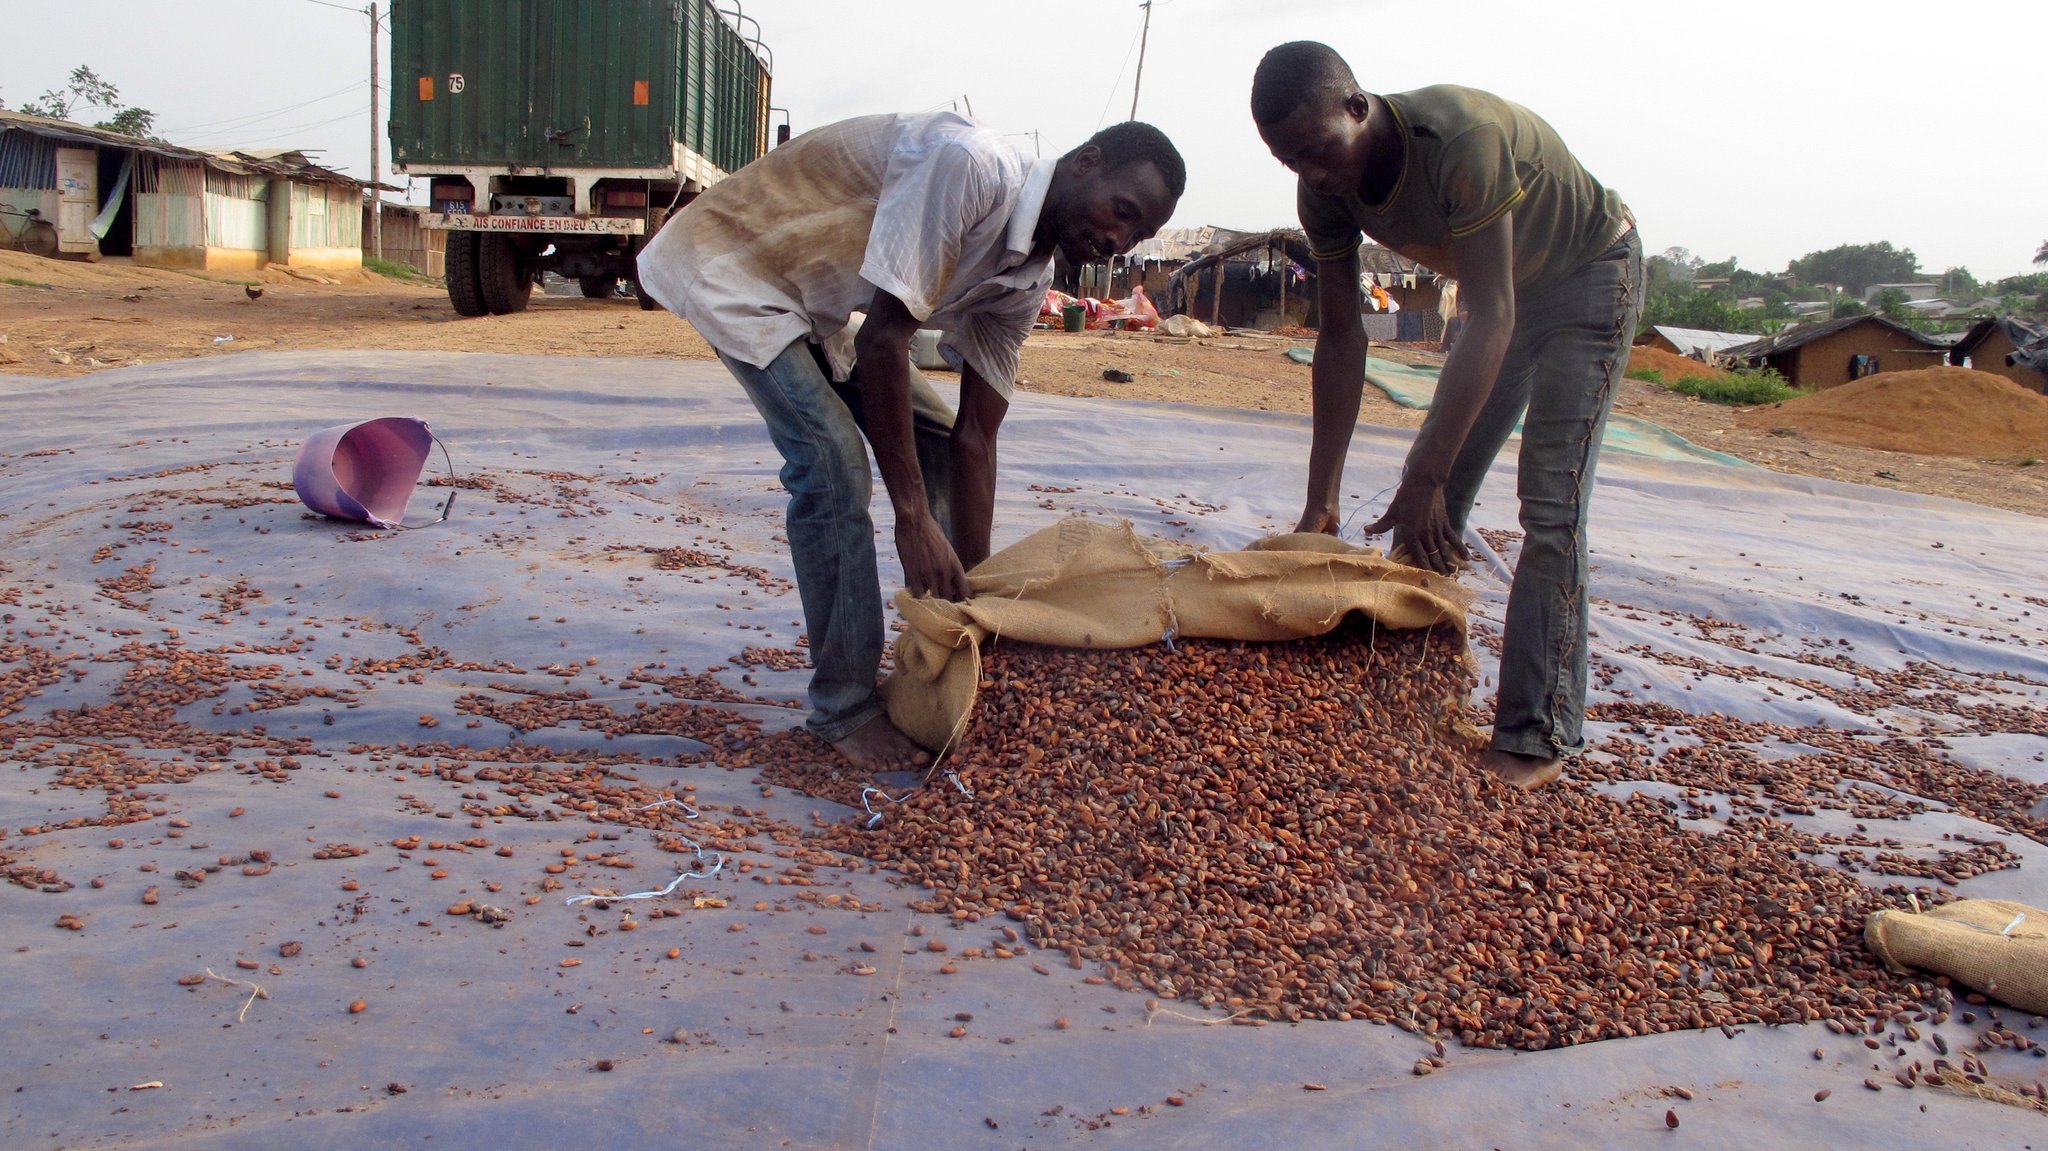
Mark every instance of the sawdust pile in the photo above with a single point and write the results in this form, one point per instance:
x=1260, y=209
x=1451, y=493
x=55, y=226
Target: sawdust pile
x=1670, y=365
x=1940, y=411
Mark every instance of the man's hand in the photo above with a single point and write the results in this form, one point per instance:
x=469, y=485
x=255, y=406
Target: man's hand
x=1423, y=535
x=929, y=565
x=1318, y=518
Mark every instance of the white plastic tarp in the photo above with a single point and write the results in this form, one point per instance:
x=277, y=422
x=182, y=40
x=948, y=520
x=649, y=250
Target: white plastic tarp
x=154, y=503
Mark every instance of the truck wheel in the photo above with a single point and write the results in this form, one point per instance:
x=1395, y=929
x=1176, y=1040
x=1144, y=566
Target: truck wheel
x=647, y=302
x=465, y=284
x=507, y=276
x=598, y=287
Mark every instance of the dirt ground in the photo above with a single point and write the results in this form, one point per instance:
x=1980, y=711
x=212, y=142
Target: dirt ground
x=60, y=318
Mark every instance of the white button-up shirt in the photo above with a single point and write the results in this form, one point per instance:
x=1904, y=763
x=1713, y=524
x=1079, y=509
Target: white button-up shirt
x=934, y=209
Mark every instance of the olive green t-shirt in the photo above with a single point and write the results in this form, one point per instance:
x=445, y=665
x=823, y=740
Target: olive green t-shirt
x=1469, y=156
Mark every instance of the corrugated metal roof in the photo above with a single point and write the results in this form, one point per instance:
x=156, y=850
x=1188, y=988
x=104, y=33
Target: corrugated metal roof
x=1691, y=340
x=1181, y=245
x=1801, y=334
x=285, y=162
x=2020, y=332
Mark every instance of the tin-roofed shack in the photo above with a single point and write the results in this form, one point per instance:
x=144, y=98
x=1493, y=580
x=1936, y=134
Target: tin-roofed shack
x=106, y=194
x=1268, y=280
x=2004, y=345
x=1834, y=352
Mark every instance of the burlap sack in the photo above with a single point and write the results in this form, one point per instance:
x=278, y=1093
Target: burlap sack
x=1999, y=948
x=1089, y=583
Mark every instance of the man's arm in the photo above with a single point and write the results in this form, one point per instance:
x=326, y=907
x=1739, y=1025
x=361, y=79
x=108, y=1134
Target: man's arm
x=982, y=409
x=882, y=349
x=1337, y=379
x=1422, y=528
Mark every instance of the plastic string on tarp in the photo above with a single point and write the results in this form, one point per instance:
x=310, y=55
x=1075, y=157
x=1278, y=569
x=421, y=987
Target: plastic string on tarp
x=875, y=817
x=867, y=795
x=717, y=864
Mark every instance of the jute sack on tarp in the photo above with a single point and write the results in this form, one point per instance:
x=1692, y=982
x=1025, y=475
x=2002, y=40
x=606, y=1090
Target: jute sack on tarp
x=1090, y=583
x=1997, y=947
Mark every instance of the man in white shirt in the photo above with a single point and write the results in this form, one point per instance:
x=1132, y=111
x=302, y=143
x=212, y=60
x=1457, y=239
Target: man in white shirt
x=919, y=221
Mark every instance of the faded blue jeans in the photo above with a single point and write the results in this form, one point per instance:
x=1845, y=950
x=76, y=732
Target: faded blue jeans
x=1563, y=364
x=818, y=427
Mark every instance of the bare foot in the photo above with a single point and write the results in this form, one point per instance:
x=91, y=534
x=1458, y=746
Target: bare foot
x=1522, y=772
x=877, y=746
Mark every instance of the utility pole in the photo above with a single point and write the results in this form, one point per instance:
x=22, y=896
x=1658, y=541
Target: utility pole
x=376, y=150
x=1144, y=33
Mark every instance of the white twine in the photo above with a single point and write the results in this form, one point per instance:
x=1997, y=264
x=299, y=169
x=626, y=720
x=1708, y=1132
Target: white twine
x=717, y=864
x=2014, y=925
x=875, y=817
x=256, y=991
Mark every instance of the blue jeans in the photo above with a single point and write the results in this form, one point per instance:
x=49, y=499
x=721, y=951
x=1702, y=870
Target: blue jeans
x=1563, y=364
x=818, y=427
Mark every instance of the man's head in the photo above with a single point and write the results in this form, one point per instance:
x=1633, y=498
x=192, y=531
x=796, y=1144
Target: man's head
x=1112, y=192
x=1312, y=115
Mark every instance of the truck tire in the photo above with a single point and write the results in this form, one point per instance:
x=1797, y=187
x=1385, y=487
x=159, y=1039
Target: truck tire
x=598, y=287
x=465, y=283
x=507, y=276
x=647, y=302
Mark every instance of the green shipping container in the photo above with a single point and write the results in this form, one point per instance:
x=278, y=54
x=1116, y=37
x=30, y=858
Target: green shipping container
x=572, y=84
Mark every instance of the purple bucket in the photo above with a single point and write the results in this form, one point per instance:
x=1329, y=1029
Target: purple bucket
x=364, y=471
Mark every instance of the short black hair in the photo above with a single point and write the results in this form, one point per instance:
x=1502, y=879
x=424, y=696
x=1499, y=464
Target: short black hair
x=1132, y=142
x=1297, y=73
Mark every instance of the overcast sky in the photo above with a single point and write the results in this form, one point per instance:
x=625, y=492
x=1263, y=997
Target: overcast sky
x=1759, y=130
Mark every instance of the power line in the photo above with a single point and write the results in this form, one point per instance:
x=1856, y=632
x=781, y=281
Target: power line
x=254, y=117
x=1119, y=81
x=276, y=132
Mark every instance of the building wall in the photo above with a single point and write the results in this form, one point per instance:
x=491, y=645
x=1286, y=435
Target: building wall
x=326, y=227
x=406, y=242
x=21, y=200
x=170, y=213
x=1989, y=356
x=1824, y=363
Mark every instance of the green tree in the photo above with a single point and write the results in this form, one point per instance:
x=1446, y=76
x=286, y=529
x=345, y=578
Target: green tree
x=1857, y=266
x=2041, y=255
x=1671, y=268
x=1685, y=308
x=1959, y=285
x=85, y=90
x=1847, y=306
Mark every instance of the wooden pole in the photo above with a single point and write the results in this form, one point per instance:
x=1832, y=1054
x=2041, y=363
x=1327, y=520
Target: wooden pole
x=1144, y=33
x=376, y=150
x=1286, y=265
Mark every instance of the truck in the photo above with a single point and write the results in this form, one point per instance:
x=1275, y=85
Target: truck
x=557, y=137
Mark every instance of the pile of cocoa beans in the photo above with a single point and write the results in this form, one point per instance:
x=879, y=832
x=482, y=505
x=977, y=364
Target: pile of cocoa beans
x=1299, y=830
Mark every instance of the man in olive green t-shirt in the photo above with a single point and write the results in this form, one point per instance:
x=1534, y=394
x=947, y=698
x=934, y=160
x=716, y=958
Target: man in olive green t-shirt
x=1550, y=269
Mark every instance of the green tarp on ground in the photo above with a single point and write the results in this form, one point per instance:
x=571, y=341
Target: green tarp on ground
x=1414, y=385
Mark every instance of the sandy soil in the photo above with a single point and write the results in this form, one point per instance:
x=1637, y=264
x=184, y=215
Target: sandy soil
x=60, y=318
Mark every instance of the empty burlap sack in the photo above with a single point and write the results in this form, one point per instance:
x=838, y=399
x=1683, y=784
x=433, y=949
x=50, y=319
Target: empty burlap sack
x=1997, y=947
x=1090, y=583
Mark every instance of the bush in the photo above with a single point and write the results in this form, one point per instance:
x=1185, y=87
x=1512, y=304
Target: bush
x=1647, y=375
x=1748, y=387
x=392, y=269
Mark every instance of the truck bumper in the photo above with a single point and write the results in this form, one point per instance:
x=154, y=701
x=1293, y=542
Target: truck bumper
x=464, y=222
